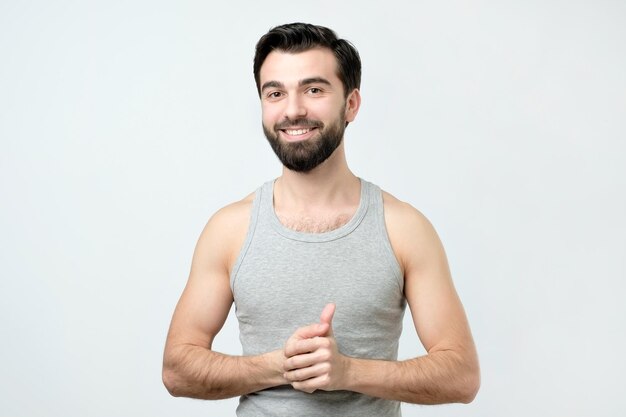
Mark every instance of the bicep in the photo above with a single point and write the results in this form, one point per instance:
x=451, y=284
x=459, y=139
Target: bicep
x=435, y=307
x=206, y=300
x=202, y=309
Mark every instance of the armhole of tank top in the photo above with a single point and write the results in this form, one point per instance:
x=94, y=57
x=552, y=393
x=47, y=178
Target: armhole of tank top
x=254, y=216
x=385, y=242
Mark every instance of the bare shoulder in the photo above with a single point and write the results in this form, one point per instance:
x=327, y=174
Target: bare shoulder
x=411, y=234
x=233, y=213
x=225, y=232
x=403, y=219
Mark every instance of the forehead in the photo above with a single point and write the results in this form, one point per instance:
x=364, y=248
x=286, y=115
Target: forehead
x=286, y=67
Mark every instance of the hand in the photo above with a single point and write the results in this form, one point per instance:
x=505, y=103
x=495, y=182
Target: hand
x=313, y=360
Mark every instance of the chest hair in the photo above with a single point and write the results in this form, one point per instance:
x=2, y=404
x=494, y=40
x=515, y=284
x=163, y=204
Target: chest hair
x=314, y=223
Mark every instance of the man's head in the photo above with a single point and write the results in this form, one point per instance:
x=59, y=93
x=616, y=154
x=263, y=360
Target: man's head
x=308, y=83
x=300, y=37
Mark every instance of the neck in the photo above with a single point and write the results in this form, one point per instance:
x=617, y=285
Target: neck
x=330, y=184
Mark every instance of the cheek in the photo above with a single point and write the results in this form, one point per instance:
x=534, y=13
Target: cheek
x=269, y=115
x=320, y=111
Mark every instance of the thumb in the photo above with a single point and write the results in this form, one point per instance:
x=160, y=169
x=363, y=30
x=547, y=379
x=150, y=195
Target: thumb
x=327, y=317
x=310, y=331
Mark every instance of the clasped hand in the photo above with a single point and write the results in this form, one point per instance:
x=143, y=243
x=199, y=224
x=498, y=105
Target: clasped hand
x=313, y=360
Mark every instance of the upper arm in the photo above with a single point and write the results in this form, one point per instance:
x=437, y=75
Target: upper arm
x=436, y=309
x=206, y=300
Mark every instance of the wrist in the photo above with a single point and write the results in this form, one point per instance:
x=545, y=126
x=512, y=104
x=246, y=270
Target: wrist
x=273, y=364
x=363, y=373
x=350, y=373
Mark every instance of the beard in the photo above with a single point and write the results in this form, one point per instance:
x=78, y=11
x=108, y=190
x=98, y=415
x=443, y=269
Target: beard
x=308, y=154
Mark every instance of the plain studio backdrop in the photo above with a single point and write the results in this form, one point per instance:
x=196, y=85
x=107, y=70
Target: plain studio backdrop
x=125, y=124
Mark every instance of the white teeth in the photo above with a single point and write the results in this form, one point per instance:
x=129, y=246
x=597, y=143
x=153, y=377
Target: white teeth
x=297, y=132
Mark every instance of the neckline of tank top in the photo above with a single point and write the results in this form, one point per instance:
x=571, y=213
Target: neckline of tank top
x=334, y=234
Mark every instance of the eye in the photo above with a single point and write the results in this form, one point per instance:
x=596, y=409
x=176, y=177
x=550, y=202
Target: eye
x=274, y=95
x=314, y=91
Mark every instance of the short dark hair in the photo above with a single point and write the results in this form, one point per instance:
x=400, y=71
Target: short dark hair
x=300, y=37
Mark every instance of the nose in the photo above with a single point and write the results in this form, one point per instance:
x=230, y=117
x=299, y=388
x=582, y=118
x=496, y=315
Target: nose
x=295, y=107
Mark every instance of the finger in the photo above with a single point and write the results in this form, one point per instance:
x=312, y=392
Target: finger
x=327, y=316
x=298, y=347
x=312, y=384
x=327, y=313
x=299, y=375
x=304, y=333
x=312, y=330
x=308, y=391
x=306, y=359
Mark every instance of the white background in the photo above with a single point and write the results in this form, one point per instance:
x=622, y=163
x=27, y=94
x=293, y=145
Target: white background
x=125, y=124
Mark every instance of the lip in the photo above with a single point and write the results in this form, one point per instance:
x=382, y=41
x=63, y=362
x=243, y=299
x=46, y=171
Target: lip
x=297, y=138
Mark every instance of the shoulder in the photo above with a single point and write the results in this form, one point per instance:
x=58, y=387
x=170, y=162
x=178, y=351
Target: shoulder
x=225, y=232
x=232, y=214
x=412, y=236
x=402, y=216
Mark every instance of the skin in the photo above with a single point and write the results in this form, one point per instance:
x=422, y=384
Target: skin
x=310, y=359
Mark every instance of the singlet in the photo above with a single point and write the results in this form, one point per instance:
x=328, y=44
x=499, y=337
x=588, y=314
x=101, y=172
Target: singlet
x=282, y=279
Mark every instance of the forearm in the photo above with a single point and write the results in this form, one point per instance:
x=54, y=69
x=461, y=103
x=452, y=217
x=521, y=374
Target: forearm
x=436, y=378
x=197, y=372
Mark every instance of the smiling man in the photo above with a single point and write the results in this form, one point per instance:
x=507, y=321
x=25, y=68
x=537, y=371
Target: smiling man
x=300, y=141
x=320, y=265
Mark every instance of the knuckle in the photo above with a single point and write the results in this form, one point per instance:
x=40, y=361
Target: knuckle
x=288, y=349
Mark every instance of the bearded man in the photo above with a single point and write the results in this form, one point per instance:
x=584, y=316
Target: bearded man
x=320, y=265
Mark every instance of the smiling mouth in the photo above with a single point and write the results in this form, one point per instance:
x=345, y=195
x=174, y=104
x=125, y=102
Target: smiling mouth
x=297, y=132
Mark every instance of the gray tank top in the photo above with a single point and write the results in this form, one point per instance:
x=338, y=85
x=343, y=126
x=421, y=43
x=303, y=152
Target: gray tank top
x=281, y=281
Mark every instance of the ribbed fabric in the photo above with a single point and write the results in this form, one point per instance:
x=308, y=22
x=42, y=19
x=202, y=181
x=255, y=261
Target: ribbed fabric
x=282, y=280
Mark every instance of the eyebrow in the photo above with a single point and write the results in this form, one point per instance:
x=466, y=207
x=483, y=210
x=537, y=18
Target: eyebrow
x=314, y=80
x=271, y=84
x=306, y=81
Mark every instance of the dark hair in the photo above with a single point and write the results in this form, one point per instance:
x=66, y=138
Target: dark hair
x=300, y=37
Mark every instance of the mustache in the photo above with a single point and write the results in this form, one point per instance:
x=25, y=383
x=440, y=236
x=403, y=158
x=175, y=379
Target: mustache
x=299, y=123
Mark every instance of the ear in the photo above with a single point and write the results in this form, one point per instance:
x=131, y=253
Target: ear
x=353, y=103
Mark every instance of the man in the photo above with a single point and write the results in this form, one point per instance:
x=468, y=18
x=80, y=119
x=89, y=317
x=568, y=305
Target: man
x=320, y=265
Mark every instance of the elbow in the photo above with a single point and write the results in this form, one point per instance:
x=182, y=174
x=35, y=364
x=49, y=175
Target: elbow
x=470, y=385
x=171, y=383
x=173, y=374
x=175, y=382
x=169, y=375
